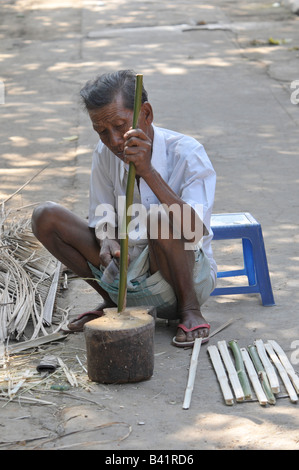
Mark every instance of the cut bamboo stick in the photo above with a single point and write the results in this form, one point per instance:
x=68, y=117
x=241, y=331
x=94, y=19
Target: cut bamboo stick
x=261, y=396
x=241, y=369
x=232, y=373
x=286, y=363
x=261, y=374
x=192, y=373
x=282, y=372
x=221, y=374
x=270, y=371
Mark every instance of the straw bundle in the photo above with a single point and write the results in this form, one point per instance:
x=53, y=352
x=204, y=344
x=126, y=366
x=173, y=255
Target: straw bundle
x=28, y=273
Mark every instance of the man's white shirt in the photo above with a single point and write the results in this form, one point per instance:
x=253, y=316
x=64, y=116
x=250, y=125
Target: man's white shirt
x=183, y=164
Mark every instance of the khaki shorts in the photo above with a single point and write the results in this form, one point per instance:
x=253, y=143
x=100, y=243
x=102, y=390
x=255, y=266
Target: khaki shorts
x=145, y=289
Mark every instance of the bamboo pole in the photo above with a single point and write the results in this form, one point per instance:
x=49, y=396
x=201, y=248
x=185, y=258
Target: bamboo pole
x=122, y=291
x=192, y=373
x=232, y=373
x=221, y=374
x=282, y=372
x=286, y=363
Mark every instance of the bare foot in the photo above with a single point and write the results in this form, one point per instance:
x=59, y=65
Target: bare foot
x=77, y=325
x=192, y=325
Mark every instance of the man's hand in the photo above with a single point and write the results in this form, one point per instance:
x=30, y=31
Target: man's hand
x=138, y=150
x=109, y=249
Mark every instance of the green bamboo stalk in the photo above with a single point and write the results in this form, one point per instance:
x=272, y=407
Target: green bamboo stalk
x=124, y=241
x=262, y=374
x=233, y=344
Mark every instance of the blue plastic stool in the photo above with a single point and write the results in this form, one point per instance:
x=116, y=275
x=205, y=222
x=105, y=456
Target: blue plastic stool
x=244, y=226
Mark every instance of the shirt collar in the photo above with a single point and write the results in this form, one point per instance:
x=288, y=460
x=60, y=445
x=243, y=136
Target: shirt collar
x=159, y=158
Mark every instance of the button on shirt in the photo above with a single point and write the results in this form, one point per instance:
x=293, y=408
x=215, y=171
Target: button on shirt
x=181, y=161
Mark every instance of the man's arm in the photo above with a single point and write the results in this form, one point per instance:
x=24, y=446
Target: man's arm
x=138, y=150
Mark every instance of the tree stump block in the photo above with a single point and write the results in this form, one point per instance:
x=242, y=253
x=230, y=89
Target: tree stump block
x=120, y=346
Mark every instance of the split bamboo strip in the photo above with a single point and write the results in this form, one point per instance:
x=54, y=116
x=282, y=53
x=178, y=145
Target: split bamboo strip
x=286, y=363
x=23, y=186
x=69, y=375
x=233, y=376
x=262, y=374
x=32, y=400
x=122, y=290
x=24, y=345
x=254, y=377
x=192, y=373
x=241, y=369
x=221, y=374
x=270, y=371
x=16, y=388
x=221, y=327
x=282, y=372
x=50, y=301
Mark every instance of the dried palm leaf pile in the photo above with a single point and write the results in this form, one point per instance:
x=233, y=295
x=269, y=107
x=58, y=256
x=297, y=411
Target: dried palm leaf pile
x=29, y=278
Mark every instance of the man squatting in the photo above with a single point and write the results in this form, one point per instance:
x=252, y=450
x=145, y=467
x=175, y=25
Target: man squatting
x=171, y=169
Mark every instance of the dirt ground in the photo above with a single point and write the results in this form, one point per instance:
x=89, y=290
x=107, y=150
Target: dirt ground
x=224, y=72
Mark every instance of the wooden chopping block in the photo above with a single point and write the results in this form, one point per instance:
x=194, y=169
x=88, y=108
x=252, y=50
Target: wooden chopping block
x=120, y=346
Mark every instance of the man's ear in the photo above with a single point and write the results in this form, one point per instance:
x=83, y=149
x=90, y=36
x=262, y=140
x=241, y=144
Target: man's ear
x=147, y=113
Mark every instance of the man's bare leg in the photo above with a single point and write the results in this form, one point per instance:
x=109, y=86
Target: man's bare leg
x=68, y=237
x=176, y=266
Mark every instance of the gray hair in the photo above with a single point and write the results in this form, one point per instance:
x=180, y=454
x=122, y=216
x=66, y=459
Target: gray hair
x=104, y=89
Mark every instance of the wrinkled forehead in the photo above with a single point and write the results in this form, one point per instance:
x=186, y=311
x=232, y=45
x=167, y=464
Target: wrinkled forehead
x=111, y=112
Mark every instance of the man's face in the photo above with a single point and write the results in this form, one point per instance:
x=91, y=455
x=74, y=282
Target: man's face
x=111, y=122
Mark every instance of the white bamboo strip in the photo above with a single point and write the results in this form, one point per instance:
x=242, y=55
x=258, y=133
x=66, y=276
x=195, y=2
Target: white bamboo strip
x=232, y=373
x=221, y=327
x=192, y=373
x=23, y=186
x=50, y=301
x=25, y=399
x=68, y=374
x=261, y=396
x=270, y=371
x=282, y=372
x=221, y=374
x=286, y=363
x=24, y=345
x=83, y=367
x=39, y=320
x=16, y=388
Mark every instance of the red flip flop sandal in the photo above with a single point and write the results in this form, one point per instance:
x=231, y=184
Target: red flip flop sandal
x=189, y=344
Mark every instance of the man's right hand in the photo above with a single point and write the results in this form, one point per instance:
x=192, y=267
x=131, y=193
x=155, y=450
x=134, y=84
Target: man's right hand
x=109, y=249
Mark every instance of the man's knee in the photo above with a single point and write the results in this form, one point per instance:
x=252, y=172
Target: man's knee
x=43, y=218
